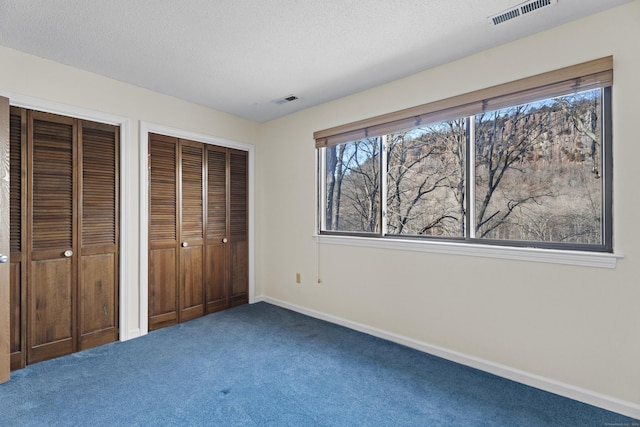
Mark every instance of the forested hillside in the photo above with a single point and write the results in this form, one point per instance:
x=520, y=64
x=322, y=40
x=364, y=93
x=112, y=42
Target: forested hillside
x=537, y=175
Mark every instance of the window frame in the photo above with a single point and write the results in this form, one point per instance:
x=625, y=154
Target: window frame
x=581, y=77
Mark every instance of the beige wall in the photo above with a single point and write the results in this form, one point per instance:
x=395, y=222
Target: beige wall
x=574, y=325
x=579, y=326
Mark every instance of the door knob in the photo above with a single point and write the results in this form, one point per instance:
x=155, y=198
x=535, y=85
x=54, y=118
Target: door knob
x=3, y=258
x=225, y=240
x=185, y=244
x=68, y=253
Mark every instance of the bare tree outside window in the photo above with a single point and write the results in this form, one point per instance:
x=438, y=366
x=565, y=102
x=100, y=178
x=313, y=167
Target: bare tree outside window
x=537, y=171
x=425, y=180
x=353, y=186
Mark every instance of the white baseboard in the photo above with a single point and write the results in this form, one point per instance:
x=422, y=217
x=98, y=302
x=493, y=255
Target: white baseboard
x=576, y=393
x=131, y=334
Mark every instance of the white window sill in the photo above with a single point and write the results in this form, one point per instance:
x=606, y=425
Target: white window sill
x=586, y=259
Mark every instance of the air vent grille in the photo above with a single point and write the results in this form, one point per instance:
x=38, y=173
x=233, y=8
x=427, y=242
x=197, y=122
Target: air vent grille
x=534, y=5
x=286, y=99
x=520, y=10
x=503, y=17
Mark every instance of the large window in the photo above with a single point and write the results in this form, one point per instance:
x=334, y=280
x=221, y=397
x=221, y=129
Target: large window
x=522, y=164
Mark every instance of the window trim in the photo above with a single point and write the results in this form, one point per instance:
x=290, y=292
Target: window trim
x=553, y=256
x=588, y=75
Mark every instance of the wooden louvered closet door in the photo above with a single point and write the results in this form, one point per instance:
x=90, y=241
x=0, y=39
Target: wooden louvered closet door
x=176, y=230
x=18, y=288
x=98, y=235
x=227, y=268
x=192, y=199
x=217, y=272
x=238, y=229
x=198, y=258
x=227, y=229
x=53, y=268
x=64, y=233
x=163, y=231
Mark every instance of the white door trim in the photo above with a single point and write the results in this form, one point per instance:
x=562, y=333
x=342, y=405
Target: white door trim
x=5, y=249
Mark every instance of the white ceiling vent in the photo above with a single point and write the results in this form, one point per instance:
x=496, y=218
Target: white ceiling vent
x=520, y=10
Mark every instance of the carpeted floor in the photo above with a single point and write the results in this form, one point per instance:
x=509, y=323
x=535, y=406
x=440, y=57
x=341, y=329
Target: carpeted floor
x=261, y=365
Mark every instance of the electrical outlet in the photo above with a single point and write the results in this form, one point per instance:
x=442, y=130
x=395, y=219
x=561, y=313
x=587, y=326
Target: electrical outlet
x=298, y=280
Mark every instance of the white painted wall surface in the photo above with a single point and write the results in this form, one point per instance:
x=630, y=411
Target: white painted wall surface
x=577, y=326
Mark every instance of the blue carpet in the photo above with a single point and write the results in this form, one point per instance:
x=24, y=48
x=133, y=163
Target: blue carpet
x=261, y=365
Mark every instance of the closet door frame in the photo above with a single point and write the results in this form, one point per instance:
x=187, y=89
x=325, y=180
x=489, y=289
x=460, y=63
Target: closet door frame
x=145, y=129
x=5, y=344
x=129, y=304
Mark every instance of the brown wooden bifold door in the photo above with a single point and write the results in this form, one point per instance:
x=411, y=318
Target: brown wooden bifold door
x=52, y=267
x=64, y=235
x=238, y=235
x=18, y=289
x=98, y=235
x=198, y=247
x=176, y=230
x=217, y=268
x=163, y=231
x=227, y=229
x=192, y=199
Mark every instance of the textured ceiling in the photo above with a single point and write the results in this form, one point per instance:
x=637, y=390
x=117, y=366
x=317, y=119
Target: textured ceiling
x=241, y=56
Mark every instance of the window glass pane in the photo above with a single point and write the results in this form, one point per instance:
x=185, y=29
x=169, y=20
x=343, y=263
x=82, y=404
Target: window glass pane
x=352, y=186
x=425, y=180
x=538, y=171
